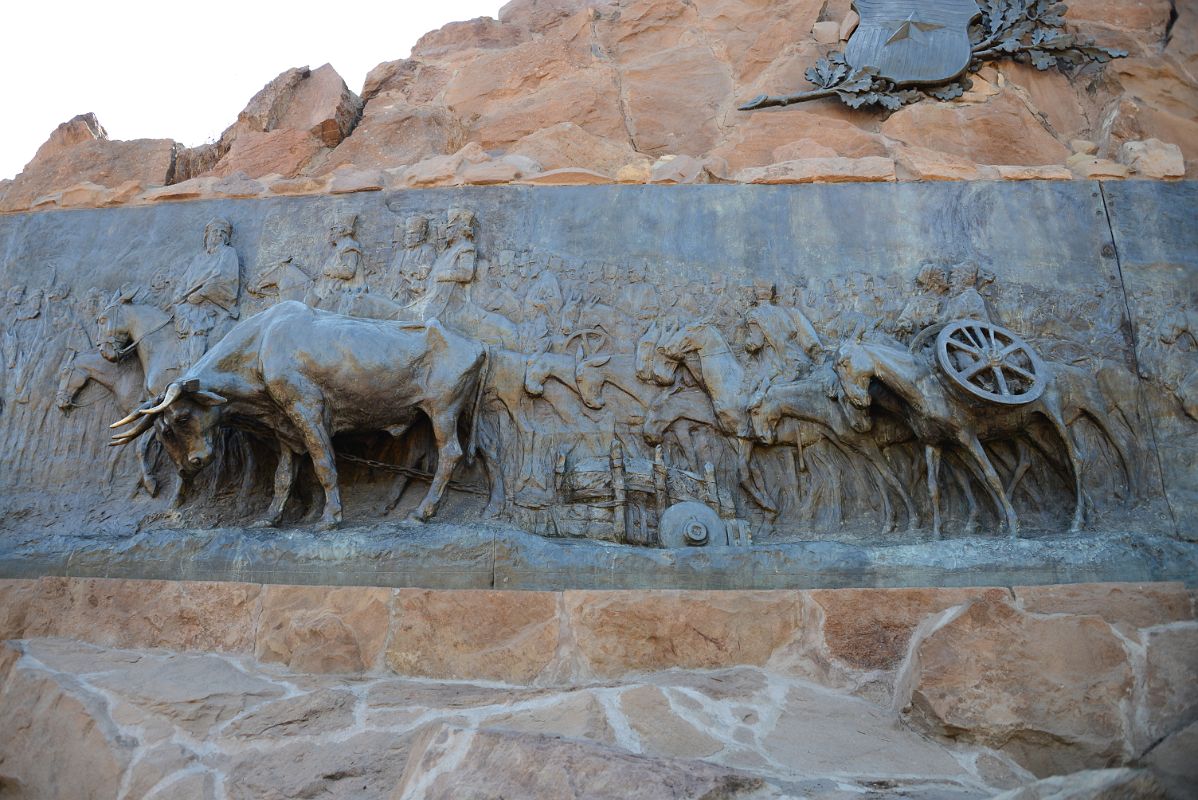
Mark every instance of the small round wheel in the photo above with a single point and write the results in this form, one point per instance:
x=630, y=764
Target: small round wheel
x=990, y=363
x=691, y=524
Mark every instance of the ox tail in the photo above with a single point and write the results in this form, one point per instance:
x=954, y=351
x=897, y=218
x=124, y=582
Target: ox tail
x=484, y=376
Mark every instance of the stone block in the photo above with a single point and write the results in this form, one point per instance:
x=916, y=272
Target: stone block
x=478, y=635
x=1050, y=691
x=1171, y=680
x=618, y=633
x=323, y=629
x=1127, y=605
x=871, y=628
x=451, y=762
x=821, y=170
x=1153, y=158
x=567, y=176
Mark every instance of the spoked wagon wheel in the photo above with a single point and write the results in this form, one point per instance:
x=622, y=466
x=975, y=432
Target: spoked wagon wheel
x=990, y=363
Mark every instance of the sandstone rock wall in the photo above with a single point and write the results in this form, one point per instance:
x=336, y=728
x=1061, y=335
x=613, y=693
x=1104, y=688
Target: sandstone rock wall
x=639, y=91
x=369, y=691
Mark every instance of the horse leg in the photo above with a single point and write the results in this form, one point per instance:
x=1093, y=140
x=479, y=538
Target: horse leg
x=1079, y=507
x=1021, y=468
x=971, y=502
x=744, y=451
x=970, y=442
x=931, y=456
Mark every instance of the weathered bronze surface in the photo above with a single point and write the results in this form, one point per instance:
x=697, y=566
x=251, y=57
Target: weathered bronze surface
x=713, y=367
x=905, y=50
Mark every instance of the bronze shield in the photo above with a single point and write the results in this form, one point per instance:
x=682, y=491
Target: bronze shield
x=913, y=42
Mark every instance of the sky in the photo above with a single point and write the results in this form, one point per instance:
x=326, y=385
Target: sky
x=182, y=71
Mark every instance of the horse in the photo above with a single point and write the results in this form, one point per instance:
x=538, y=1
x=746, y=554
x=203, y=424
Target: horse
x=816, y=400
x=722, y=377
x=126, y=387
x=127, y=327
x=906, y=384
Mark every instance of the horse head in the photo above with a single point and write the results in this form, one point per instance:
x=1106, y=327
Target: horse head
x=589, y=378
x=681, y=338
x=855, y=368
x=115, y=335
x=764, y=415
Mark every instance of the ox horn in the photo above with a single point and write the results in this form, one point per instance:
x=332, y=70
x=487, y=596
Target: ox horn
x=133, y=415
x=137, y=430
x=172, y=394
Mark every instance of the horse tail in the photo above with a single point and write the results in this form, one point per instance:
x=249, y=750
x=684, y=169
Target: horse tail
x=484, y=376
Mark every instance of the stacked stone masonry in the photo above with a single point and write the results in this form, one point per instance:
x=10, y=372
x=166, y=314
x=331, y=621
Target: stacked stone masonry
x=646, y=91
x=193, y=689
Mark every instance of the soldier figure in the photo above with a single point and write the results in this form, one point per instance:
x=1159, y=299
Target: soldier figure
x=211, y=284
x=414, y=261
x=447, y=290
x=341, y=279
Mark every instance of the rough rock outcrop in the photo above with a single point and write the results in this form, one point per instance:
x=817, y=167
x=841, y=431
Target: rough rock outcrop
x=610, y=86
x=80, y=151
x=290, y=123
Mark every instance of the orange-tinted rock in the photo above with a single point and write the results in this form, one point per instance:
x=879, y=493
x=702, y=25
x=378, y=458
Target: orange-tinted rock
x=1094, y=784
x=1171, y=680
x=567, y=145
x=1094, y=168
x=394, y=133
x=753, y=141
x=257, y=153
x=509, y=94
x=481, y=32
x=301, y=185
x=1172, y=762
x=348, y=180
x=1009, y=172
x=1128, y=605
x=1050, y=691
x=42, y=714
x=450, y=762
x=803, y=148
x=821, y=170
x=622, y=632
x=184, y=615
x=662, y=733
x=922, y=164
x=482, y=635
x=1153, y=158
x=673, y=100
x=1146, y=17
x=80, y=151
x=1000, y=131
x=678, y=169
x=321, y=629
x=567, y=176
x=577, y=715
x=870, y=628
x=323, y=106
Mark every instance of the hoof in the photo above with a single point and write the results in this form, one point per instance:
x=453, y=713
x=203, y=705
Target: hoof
x=265, y=522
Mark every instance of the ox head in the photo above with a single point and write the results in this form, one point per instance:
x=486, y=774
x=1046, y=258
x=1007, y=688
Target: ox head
x=186, y=419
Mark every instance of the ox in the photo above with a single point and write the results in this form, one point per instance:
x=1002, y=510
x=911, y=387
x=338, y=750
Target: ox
x=304, y=376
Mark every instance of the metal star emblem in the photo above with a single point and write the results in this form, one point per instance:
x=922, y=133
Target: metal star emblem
x=905, y=29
